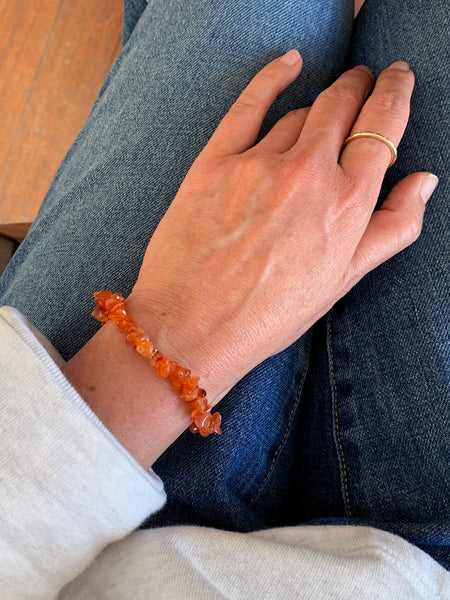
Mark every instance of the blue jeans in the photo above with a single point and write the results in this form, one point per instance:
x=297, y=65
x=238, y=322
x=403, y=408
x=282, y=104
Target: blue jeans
x=351, y=423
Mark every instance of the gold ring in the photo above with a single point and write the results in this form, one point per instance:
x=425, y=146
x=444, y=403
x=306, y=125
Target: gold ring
x=376, y=136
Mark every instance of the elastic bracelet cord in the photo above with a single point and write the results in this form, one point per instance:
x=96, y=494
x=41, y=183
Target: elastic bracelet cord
x=110, y=306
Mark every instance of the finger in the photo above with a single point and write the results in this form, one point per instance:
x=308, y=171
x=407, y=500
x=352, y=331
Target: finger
x=395, y=226
x=386, y=112
x=284, y=134
x=240, y=127
x=334, y=112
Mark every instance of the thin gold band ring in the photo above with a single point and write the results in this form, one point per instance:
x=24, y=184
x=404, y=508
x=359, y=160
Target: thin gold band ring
x=376, y=136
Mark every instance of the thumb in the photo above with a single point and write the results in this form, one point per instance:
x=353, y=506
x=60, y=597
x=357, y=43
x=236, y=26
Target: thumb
x=395, y=226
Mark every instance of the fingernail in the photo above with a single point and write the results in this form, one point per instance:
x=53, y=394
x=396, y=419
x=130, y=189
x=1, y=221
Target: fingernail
x=428, y=186
x=400, y=64
x=290, y=58
x=364, y=68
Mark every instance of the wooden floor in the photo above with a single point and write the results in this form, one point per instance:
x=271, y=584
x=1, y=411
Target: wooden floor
x=54, y=56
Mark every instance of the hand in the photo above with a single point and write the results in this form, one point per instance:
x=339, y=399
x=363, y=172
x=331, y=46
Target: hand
x=261, y=240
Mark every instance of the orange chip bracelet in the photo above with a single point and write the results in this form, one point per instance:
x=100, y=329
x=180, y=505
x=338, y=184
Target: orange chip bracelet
x=111, y=307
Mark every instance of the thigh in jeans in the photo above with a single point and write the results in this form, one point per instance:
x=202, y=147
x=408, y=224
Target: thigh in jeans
x=387, y=398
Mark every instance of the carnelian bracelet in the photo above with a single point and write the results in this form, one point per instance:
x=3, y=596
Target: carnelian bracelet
x=111, y=307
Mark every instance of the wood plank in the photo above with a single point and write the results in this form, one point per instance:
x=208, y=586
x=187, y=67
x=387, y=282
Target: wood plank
x=52, y=67
x=7, y=249
x=24, y=28
x=15, y=231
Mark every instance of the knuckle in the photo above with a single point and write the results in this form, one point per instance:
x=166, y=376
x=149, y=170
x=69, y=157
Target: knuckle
x=389, y=100
x=406, y=227
x=247, y=104
x=269, y=78
x=253, y=166
x=270, y=75
x=308, y=164
x=289, y=174
x=345, y=89
x=412, y=227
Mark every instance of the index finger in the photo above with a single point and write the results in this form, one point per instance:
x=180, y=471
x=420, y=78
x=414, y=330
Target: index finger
x=240, y=127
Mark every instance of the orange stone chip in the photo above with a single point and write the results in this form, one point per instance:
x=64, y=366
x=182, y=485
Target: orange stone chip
x=111, y=307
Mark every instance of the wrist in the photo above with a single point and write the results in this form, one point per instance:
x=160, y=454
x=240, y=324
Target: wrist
x=188, y=342
x=133, y=402
x=146, y=412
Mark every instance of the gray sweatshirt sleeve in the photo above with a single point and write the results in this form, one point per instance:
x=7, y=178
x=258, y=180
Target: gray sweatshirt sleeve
x=67, y=487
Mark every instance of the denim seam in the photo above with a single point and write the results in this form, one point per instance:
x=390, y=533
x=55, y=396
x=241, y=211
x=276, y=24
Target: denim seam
x=289, y=424
x=341, y=456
